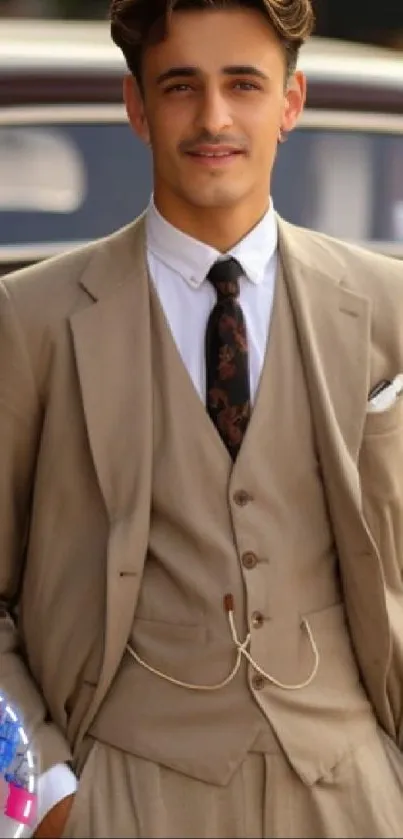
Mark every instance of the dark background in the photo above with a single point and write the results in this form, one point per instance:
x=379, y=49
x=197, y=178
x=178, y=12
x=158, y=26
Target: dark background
x=356, y=20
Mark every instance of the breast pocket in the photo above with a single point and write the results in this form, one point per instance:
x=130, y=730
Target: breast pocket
x=381, y=472
x=382, y=422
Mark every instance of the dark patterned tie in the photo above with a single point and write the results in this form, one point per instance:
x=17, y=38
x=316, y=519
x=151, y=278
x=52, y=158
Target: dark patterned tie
x=227, y=364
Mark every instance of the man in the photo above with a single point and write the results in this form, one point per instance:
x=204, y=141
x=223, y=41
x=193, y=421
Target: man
x=201, y=502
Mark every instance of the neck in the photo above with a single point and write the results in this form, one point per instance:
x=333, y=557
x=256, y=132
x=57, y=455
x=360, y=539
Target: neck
x=220, y=228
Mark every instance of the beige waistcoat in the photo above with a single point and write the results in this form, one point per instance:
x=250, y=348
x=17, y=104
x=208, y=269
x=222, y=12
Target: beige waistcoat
x=258, y=530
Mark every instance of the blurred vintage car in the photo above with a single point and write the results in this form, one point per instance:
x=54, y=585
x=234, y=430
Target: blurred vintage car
x=71, y=168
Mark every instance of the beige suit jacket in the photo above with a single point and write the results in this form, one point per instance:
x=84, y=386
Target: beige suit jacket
x=76, y=460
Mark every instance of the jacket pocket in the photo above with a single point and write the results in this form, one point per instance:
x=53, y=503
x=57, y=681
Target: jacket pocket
x=156, y=629
x=381, y=471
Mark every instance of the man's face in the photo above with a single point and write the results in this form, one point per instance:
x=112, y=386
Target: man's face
x=214, y=100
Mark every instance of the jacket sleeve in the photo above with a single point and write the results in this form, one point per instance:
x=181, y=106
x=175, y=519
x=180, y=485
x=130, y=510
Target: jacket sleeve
x=20, y=429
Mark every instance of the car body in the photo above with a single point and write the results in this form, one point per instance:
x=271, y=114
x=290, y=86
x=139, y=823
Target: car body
x=72, y=170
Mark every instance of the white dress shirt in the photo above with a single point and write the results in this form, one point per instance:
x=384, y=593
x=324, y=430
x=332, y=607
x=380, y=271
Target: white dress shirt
x=178, y=267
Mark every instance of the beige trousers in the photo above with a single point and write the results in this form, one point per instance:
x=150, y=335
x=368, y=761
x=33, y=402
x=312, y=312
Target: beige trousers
x=123, y=795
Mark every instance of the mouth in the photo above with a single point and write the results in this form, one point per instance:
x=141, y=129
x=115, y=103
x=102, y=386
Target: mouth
x=215, y=157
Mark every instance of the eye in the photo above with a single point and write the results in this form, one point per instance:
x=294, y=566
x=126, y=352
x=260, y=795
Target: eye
x=181, y=87
x=243, y=85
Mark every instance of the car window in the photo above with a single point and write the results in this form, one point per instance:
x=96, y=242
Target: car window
x=76, y=180
x=347, y=184
x=70, y=182
x=41, y=170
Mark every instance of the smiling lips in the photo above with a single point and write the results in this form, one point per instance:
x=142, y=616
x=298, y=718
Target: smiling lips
x=215, y=152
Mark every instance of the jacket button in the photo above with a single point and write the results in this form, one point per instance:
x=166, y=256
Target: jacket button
x=258, y=682
x=241, y=497
x=249, y=559
x=257, y=620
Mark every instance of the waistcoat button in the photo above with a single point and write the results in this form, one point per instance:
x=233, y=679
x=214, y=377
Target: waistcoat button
x=249, y=559
x=257, y=620
x=258, y=682
x=241, y=497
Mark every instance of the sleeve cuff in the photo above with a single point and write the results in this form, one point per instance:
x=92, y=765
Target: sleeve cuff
x=53, y=785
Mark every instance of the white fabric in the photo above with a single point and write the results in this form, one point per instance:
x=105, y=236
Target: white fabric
x=179, y=265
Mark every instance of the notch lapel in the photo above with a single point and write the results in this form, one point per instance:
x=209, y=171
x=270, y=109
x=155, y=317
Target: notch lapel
x=112, y=342
x=334, y=329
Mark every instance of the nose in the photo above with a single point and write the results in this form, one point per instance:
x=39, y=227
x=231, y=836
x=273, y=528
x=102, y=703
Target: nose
x=214, y=115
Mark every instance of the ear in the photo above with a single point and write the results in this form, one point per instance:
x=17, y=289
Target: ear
x=134, y=102
x=294, y=102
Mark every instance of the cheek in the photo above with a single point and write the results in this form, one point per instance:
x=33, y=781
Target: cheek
x=262, y=124
x=266, y=137
x=164, y=149
x=166, y=131
x=172, y=115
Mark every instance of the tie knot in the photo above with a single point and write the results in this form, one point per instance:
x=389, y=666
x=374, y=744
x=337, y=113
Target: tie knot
x=224, y=276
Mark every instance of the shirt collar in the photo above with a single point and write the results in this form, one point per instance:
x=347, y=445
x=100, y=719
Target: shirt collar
x=193, y=259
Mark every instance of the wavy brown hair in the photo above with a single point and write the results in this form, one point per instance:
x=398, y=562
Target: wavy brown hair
x=138, y=23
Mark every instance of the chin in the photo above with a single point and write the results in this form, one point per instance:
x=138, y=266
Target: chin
x=213, y=199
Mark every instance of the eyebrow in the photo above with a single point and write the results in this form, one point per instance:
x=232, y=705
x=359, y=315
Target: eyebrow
x=232, y=70
x=244, y=70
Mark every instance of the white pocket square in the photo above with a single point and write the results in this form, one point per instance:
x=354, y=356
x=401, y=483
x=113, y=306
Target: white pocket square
x=386, y=395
